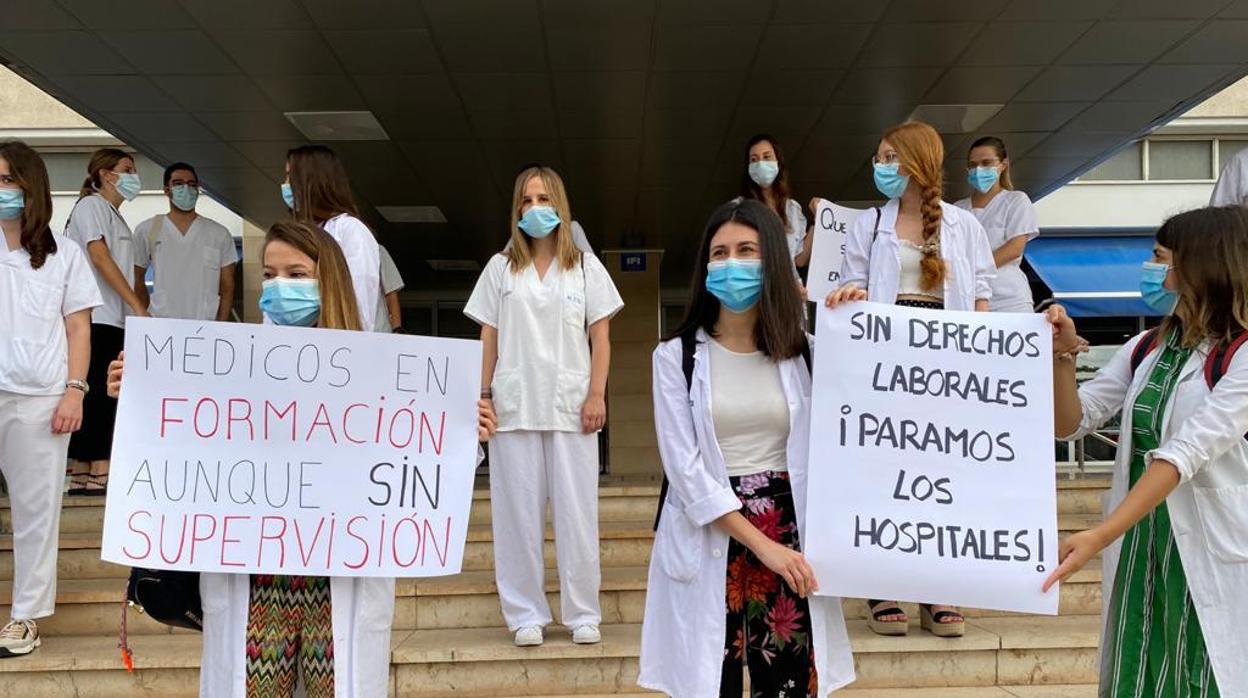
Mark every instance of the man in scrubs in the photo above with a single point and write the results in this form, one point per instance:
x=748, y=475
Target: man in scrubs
x=193, y=256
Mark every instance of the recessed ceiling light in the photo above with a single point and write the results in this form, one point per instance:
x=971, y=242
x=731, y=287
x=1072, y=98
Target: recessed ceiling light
x=412, y=214
x=338, y=125
x=453, y=264
x=955, y=118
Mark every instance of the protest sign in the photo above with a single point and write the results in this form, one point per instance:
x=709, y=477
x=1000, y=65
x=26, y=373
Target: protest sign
x=289, y=450
x=831, y=223
x=932, y=462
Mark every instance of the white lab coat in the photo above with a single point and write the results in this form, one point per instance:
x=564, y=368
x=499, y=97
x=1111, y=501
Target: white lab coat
x=363, y=611
x=1232, y=186
x=682, y=638
x=1202, y=435
x=877, y=267
x=363, y=256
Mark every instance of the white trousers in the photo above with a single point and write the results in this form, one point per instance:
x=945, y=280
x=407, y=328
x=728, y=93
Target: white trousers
x=527, y=469
x=32, y=460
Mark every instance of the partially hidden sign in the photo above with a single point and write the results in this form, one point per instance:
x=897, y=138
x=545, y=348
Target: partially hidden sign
x=932, y=466
x=265, y=449
x=831, y=223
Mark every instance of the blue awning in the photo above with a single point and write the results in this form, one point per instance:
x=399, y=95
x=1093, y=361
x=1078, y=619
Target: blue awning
x=1093, y=275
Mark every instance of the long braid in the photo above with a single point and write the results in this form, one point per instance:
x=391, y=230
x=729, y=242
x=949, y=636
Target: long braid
x=932, y=266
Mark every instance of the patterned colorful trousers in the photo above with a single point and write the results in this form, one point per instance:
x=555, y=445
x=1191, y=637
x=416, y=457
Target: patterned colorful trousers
x=290, y=630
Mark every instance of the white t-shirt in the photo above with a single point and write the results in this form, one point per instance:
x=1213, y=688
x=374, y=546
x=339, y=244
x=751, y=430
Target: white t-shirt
x=34, y=351
x=391, y=282
x=795, y=227
x=187, y=267
x=1232, y=186
x=542, y=375
x=1008, y=215
x=749, y=411
x=93, y=218
x=363, y=261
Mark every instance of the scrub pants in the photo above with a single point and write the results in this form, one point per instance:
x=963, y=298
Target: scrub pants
x=527, y=468
x=32, y=460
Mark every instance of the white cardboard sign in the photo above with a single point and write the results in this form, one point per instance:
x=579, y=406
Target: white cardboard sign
x=286, y=450
x=831, y=223
x=932, y=462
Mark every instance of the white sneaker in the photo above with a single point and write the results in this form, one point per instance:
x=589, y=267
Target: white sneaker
x=586, y=635
x=19, y=637
x=529, y=636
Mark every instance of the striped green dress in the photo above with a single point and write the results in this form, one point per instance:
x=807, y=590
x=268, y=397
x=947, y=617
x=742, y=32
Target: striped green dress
x=1155, y=648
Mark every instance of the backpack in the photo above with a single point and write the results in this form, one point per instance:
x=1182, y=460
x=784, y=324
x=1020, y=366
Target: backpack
x=1216, y=364
x=688, y=347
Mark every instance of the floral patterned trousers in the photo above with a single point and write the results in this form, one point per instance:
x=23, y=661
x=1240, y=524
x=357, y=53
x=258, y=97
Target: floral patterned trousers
x=768, y=628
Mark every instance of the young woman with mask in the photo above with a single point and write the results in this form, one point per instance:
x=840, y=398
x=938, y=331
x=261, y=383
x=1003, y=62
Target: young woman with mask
x=318, y=191
x=542, y=305
x=767, y=180
x=1007, y=216
x=97, y=226
x=920, y=252
x=46, y=296
x=733, y=426
x=296, y=628
x=1175, y=540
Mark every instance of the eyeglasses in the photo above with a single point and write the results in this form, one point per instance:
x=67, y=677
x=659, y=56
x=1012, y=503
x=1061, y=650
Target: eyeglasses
x=180, y=183
x=889, y=158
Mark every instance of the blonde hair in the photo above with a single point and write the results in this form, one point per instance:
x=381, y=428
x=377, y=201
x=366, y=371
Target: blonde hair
x=338, y=306
x=519, y=253
x=922, y=153
x=102, y=159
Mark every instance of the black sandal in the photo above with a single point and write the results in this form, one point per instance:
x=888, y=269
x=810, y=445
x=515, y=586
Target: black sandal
x=936, y=623
x=892, y=628
x=77, y=484
x=97, y=486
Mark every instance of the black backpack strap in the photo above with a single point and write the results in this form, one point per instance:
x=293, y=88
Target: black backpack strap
x=806, y=356
x=688, y=347
x=875, y=232
x=1219, y=361
x=1143, y=348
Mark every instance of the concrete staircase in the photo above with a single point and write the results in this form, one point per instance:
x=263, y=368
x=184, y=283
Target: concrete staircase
x=449, y=638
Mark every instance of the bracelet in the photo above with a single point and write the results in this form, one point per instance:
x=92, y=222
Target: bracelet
x=487, y=394
x=77, y=384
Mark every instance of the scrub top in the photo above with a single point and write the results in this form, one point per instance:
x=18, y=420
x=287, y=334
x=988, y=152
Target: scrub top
x=187, y=266
x=34, y=351
x=93, y=218
x=1008, y=215
x=361, y=251
x=391, y=282
x=1232, y=186
x=542, y=375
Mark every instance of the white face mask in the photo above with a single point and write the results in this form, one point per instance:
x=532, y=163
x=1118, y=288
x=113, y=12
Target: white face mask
x=764, y=172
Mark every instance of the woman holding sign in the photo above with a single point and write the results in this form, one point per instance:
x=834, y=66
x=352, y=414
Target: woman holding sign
x=1175, y=544
x=46, y=296
x=1007, y=216
x=728, y=584
x=330, y=634
x=920, y=252
x=542, y=305
x=766, y=180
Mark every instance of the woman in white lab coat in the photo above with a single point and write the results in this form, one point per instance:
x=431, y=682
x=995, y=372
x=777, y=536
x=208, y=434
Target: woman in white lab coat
x=915, y=251
x=1008, y=218
x=734, y=444
x=1175, y=538
x=318, y=191
x=96, y=225
x=541, y=305
x=265, y=635
x=766, y=180
x=46, y=296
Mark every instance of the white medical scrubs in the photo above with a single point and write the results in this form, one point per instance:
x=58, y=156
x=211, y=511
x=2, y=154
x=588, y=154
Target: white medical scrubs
x=1232, y=186
x=363, y=261
x=794, y=227
x=1008, y=215
x=539, y=453
x=94, y=218
x=391, y=282
x=187, y=265
x=34, y=365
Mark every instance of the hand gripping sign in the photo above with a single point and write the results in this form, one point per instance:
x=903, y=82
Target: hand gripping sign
x=284, y=450
x=831, y=223
x=932, y=459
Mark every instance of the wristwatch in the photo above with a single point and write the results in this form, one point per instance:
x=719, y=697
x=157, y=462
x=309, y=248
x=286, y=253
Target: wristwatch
x=78, y=385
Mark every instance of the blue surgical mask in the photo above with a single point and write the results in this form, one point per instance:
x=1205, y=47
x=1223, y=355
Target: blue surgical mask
x=983, y=179
x=128, y=185
x=1154, y=293
x=184, y=197
x=764, y=172
x=889, y=180
x=539, y=221
x=288, y=195
x=291, y=301
x=737, y=283
x=12, y=201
